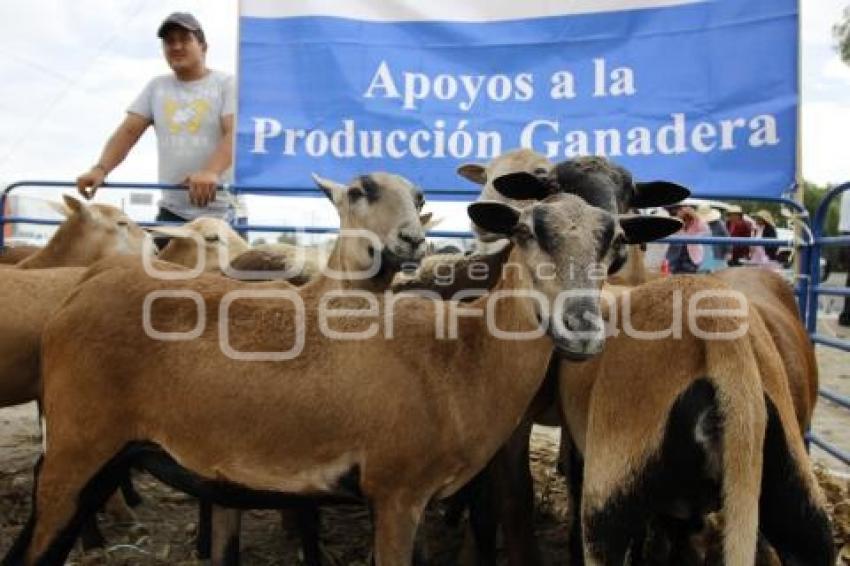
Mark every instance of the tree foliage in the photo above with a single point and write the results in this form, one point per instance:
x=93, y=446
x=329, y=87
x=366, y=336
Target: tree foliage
x=841, y=34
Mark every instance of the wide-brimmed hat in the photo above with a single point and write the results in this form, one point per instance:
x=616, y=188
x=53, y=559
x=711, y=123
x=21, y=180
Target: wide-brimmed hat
x=707, y=213
x=766, y=216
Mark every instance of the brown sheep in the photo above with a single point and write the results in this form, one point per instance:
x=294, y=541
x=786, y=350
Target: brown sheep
x=673, y=428
x=89, y=233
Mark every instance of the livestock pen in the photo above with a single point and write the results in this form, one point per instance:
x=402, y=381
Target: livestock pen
x=136, y=547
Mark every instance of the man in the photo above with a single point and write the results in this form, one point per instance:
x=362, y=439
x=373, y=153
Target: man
x=192, y=111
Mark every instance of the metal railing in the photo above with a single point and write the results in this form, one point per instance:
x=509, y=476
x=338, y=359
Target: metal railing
x=816, y=290
x=235, y=190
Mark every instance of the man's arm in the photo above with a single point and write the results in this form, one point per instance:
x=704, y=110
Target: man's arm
x=202, y=184
x=117, y=147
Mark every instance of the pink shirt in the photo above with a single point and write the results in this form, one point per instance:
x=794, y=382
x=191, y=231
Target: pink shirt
x=696, y=227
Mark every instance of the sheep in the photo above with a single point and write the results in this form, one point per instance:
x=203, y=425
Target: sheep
x=174, y=404
x=513, y=161
x=28, y=300
x=691, y=426
x=288, y=262
x=10, y=255
x=796, y=353
x=517, y=177
x=774, y=299
x=219, y=529
x=88, y=234
x=213, y=235
x=227, y=252
x=446, y=274
x=606, y=185
x=36, y=286
x=771, y=295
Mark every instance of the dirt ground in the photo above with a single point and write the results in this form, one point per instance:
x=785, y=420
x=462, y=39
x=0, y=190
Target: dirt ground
x=164, y=531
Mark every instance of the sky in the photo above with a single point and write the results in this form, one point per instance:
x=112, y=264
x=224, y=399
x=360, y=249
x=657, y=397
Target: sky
x=71, y=68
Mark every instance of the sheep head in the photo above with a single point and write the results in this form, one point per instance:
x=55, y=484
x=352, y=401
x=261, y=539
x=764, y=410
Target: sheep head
x=379, y=217
x=89, y=233
x=597, y=180
x=219, y=242
x=568, y=247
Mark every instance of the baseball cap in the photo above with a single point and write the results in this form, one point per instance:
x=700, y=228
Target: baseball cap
x=184, y=20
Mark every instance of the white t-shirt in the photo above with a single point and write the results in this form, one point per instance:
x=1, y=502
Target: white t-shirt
x=187, y=118
x=844, y=216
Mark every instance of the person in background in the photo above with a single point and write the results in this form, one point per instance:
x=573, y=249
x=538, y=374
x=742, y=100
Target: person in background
x=844, y=228
x=765, y=228
x=191, y=110
x=738, y=227
x=719, y=254
x=656, y=252
x=688, y=258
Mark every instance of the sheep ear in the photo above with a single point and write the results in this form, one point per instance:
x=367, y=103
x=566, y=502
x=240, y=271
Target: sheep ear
x=474, y=172
x=521, y=186
x=640, y=229
x=658, y=193
x=333, y=190
x=74, y=205
x=428, y=221
x=59, y=208
x=495, y=217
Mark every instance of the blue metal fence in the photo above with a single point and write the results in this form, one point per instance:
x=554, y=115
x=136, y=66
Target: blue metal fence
x=816, y=290
x=808, y=288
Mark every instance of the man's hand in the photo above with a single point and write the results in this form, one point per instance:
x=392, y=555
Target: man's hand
x=202, y=186
x=88, y=182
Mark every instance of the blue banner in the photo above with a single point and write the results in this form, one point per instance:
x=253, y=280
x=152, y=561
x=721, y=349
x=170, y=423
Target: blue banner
x=702, y=92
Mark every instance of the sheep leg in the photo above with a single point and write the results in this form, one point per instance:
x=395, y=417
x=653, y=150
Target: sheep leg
x=15, y=555
x=792, y=517
x=70, y=487
x=226, y=526
x=483, y=516
x=307, y=522
x=118, y=507
x=573, y=468
x=396, y=521
x=203, y=541
x=610, y=529
x=514, y=489
x=128, y=491
x=90, y=535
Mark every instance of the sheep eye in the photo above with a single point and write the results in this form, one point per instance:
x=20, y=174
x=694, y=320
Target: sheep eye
x=211, y=239
x=355, y=193
x=420, y=201
x=122, y=223
x=523, y=232
x=540, y=171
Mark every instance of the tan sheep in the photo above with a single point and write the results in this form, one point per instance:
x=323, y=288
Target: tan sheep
x=89, y=233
